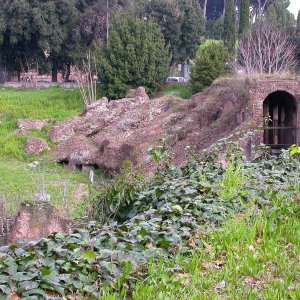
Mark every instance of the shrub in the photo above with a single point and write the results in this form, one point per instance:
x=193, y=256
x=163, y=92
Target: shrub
x=136, y=55
x=211, y=61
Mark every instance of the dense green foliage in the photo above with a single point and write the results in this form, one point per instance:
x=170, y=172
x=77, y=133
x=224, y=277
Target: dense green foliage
x=244, y=16
x=214, y=28
x=210, y=63
x=229, y=34
x=192, y=28
x=278, y=15
x=182, y=25
x=64, y=29
x=167, y=15
x=136, y=55
x=214, y=8
x=166, y=217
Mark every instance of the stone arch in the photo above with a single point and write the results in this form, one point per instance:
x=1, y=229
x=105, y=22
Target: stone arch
x=280, y=119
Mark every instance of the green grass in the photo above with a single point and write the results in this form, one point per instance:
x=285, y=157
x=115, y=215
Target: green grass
x=18, y=183
x=180, y=90
x=255, y=256
x=54, y=104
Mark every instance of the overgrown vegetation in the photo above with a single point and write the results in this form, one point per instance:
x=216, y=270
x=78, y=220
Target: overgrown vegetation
x=18, y=182
x=198, y=230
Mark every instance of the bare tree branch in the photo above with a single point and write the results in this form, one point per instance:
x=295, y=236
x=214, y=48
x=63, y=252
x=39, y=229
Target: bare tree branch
x=266, y=50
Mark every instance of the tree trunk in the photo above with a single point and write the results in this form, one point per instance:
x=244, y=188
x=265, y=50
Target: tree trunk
x=19, y=76
x=204, y=9
x=54, y=75
x=67, y=78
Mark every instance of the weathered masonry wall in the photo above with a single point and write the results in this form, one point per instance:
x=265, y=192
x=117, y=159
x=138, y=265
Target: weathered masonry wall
x=259, y=91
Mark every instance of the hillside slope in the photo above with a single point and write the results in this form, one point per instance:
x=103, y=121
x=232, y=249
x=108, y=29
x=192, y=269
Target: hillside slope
x=108, y=133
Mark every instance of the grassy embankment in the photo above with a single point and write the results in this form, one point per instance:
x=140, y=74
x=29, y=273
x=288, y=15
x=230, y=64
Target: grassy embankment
x=18, y=182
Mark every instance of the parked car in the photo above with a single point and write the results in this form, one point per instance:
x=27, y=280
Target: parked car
x=176, y=79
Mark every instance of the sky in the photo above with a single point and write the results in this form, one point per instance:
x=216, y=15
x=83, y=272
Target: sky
x=294, y=7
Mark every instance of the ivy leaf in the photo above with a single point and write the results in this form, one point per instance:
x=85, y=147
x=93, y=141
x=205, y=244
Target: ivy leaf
x=45, y=271
x=89, y=255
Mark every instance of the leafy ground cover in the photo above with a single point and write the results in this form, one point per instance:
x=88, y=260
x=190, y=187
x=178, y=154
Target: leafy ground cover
x=18, y=183
x=198, y=231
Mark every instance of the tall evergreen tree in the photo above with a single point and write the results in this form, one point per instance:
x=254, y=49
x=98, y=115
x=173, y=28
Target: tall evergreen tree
x=168, y=17
x=192, y=28
x=135, y=55
x=229, y=34
x=244, y=16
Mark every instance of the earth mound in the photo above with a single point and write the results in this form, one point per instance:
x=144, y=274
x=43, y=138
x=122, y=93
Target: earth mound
x=108, y=133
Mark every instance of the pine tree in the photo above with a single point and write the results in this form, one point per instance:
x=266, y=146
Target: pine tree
x=136, y=55
x=244, y=16
x=229, y=34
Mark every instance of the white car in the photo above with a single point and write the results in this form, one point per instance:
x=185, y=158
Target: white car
x=176, y=79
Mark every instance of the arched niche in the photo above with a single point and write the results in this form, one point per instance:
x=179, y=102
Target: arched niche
x=280, y=120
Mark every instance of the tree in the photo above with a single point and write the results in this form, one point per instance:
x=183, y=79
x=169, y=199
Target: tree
x=18, y=38
x=211, y=59
x=259, y=8
x=182, y=24
x=278, y=14
x=215, y=28
x=136, y=55
x=213, y=8
x=244, y=16
x=64, y=29
x=192, y=28
x=266, y=49
x=229, y=34
x=168, y=16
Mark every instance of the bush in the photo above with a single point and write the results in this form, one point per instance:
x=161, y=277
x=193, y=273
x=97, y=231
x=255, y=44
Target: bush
x=136, y=55
x=211, y=61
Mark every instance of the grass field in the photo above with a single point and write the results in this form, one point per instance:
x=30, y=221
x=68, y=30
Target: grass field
x=18, y=182
x=53, y=103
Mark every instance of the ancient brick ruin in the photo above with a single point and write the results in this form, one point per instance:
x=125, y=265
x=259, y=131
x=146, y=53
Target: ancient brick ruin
x=277, y=108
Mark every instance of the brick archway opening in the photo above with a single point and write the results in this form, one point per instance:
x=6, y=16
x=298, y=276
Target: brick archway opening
x=280, y=120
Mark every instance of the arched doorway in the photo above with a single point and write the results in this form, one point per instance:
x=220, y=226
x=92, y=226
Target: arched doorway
x=280, y=120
